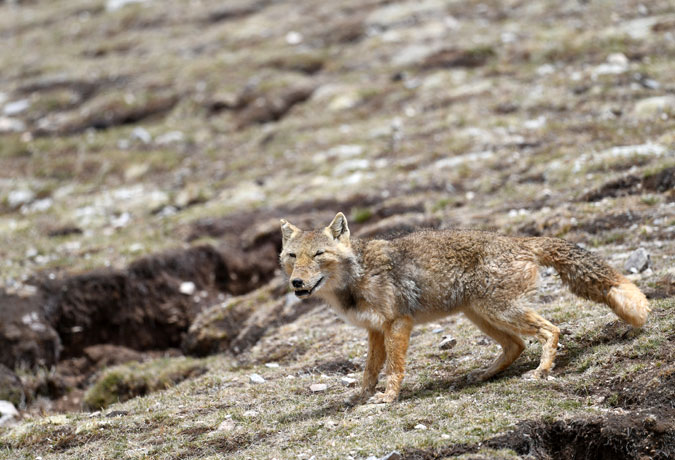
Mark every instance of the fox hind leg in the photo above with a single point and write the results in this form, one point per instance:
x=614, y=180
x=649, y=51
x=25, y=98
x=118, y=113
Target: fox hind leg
x=512, y=322
x=547, y=334
x=511, y=343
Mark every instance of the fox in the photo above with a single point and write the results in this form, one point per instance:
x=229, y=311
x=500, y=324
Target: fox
x=387, y=286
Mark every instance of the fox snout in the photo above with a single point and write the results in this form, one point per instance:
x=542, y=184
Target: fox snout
x=305, y=288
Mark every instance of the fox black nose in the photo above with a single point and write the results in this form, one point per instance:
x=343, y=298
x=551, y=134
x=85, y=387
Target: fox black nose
x=297, y=283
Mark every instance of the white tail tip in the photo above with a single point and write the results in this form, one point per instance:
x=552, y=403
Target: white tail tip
x=629, y=303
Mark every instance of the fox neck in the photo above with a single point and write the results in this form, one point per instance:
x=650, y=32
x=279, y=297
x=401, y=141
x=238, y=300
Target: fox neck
x=341, y=291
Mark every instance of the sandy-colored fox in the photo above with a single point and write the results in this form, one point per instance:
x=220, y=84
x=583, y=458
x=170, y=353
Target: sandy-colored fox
x=388, y=286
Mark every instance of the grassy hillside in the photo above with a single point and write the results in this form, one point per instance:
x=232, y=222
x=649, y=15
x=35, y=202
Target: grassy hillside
x=148, y=150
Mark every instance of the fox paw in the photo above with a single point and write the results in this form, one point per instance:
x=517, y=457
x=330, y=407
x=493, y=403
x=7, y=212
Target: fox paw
x=535, y=374
x=477, y=376
x=357, y=397
x=382, y=398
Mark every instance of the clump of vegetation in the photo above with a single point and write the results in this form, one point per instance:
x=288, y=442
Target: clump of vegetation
x=121, y=383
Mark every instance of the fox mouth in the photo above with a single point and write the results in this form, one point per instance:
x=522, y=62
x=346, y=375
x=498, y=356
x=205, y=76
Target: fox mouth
x=304, y=293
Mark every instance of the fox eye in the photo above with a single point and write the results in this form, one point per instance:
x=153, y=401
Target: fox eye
x=291, y=254
x=319, y=252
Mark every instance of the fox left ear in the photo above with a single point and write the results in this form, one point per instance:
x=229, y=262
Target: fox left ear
x=287, y=231
x=339, y=229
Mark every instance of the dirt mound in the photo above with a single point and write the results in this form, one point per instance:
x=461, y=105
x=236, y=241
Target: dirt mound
x=150, y=304
x=660, y=182
x=238, y=324
x=615, y=437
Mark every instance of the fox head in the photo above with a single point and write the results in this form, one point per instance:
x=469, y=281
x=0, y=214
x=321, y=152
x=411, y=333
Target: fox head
x=315, y=259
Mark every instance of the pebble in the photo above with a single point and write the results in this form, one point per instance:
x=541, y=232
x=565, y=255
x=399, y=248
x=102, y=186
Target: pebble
x=653, y=106
x=16, y=107
x=114, y=5
x=8, y=125
x=638, y=261
x=250, y=413
x=348, y=381
x=19, y=197
x=420, y=426
x=318, y=387
x=8, y=412
x=187, y=288
x=141, y=134
x=447, y=343
x=256, y=378
x=393, y=455
x=272, y=365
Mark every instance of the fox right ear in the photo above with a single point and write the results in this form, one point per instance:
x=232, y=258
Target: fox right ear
x=287, y=231
x=339, y=229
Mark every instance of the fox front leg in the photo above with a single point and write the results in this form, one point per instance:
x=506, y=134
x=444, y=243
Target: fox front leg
x=374, y=363
x=396, y=339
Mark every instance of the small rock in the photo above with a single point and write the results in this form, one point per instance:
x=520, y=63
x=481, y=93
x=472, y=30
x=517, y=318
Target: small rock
x=437, y=330
x=638, y=261
x=420, y=426
x=141, y=134
x=227, y=425
x=8, y=413
x=294, y=38
x=393, y=455
x=250, y=413
x=16, y=107
x=272, y=365
x=256, y=378
x=95, y=414
x=318, y=387
x=114, y=5
x=170, y=137
x=348, y=381
x=11, y=125
x=447, y=342
x=116, y=413
x=654, y=106
x=187, y=288
x=19, y=197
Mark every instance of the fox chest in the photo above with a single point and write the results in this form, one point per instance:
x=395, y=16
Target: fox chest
x=357, y=313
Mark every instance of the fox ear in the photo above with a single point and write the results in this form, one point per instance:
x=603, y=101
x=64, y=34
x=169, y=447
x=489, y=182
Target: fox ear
x=287, y=231
x=338, y=229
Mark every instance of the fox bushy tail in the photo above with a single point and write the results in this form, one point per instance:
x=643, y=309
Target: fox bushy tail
x=590, y=277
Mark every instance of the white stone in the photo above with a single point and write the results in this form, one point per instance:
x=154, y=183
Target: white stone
x=11, y=125
x=420, y=427
x=272, y=365
x=141, y=134
x=318, y=387
x=654, y=106
x=114, y=5
x=447, y=343
x=294, y=38
x=187, y=288
x=19, y=197
x=250, y=413
x=8, y=412
x=170, y=138
x=348, y=381
x=256, y=378
x=16, y=107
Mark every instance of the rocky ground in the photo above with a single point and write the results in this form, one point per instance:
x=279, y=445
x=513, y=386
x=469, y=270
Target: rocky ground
x=149, y=149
